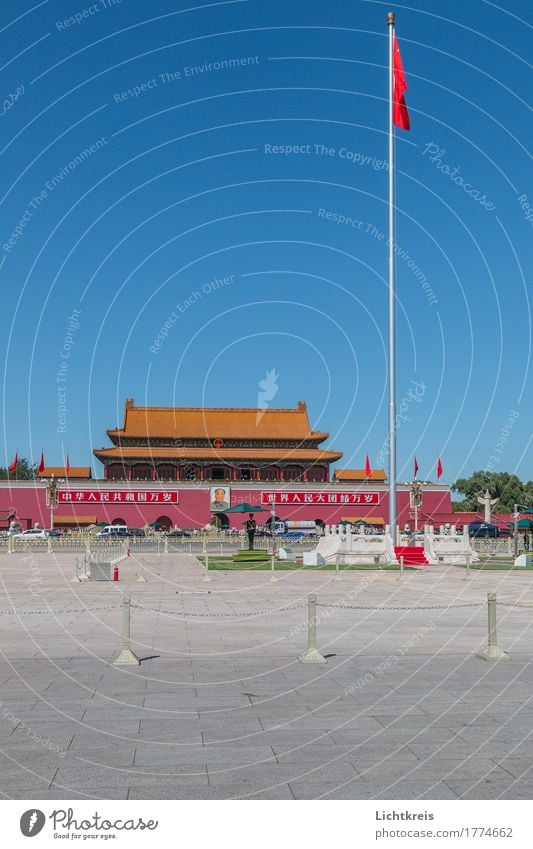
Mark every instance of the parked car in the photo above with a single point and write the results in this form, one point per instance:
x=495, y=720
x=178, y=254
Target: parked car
x=176, y=534
x=484, y=530
x=35, y=533
x=136, y=532
x=113, y=532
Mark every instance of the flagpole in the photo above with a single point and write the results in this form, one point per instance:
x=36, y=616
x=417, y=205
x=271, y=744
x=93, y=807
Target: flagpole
x=392, y=296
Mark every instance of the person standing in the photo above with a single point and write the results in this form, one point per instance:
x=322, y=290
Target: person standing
x=250, y=527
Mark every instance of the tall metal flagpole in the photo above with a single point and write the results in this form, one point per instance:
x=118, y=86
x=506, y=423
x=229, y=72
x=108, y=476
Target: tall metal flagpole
x=392, y=295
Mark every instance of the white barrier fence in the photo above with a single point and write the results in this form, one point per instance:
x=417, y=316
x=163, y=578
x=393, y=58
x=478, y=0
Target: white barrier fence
x=222, y=545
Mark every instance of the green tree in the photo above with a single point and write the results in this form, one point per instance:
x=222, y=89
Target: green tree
x=25, y=471
x=507, y=488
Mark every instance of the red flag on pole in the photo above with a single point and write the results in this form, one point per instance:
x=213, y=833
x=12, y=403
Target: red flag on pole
x=14, y=464
x=368, y=470
x=439, y=468
x=40, y=470
x=415, y=467
x=400, y=113
x=67, y=465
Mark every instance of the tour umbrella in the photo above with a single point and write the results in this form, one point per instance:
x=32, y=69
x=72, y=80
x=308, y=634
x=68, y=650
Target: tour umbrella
x=246, y=508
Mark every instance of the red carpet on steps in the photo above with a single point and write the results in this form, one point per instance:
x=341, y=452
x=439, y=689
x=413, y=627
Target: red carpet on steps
x=413, y=555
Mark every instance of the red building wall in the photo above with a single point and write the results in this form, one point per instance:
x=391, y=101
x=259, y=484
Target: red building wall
x=192, y=509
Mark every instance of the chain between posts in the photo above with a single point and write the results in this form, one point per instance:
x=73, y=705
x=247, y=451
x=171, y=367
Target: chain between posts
x=219, y=615
x=236, y=613
x=514, y=604
x=416, y=607
x=57, y=612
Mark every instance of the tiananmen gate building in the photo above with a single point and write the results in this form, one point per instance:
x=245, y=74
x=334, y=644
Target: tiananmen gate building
x=183, y=466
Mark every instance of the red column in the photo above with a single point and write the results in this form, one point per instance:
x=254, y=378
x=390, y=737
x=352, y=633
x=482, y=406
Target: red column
x=154, y=475
x=305, y=476
x=105, y=472
x=177, y=473
x=281, y=475
x=129, y=473
x=201, y=473
x=257, y=475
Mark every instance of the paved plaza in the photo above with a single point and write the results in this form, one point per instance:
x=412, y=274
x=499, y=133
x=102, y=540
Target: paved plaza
x=221, y=707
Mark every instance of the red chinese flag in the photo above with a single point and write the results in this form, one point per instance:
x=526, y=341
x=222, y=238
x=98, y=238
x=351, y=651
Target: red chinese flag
x=439, y=468
x=67, y=465
x=368, y=470
x=14, y=464
x=40, y=470
x=416, y=467
x=400, y=114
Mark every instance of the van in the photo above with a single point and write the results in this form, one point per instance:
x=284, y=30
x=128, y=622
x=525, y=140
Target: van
x=112, y=532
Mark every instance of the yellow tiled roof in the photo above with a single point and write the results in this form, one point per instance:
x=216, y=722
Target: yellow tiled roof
x=61, y=472
x=75, y=520
x=175, y=454
x=359, y=475
x=370, y=520
x=216, y=423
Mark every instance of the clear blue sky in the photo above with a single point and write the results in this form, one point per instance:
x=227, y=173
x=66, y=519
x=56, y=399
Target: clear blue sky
x=144, y=156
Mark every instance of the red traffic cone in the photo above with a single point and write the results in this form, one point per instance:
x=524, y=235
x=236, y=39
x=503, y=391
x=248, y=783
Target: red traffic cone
x=115, y=572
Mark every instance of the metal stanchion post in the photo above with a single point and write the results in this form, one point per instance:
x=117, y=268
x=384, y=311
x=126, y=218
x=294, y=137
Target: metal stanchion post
x=76, y=579
x=206, y=576
x=83, y=576
x=337, y=574
x=468, y=558
x=312, y=655
x=126, y=656
x=272, y=567
x=401, y=566
x=493, y=651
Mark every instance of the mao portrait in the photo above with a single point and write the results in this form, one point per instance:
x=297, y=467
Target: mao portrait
x=220, y=498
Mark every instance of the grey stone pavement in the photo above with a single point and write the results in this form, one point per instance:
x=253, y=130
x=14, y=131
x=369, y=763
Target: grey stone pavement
x=221, y=707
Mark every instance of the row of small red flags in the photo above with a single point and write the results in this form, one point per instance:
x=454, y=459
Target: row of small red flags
x=40, y=468
x=368, y=468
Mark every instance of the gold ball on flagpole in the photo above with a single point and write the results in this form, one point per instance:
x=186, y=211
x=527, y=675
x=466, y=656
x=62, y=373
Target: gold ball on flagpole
x=390, y=18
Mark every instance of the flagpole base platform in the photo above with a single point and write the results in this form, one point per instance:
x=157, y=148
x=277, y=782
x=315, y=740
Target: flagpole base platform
x=312, y=656
x=127, y=658
x=493, y=654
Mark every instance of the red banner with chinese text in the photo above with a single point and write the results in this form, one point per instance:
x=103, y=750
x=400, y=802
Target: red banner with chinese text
x=320, y=498
x=117, y=496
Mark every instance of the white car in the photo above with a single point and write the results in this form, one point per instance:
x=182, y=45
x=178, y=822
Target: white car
x=32, y=533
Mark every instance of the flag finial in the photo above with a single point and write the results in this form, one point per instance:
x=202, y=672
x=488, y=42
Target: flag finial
x=391, y=18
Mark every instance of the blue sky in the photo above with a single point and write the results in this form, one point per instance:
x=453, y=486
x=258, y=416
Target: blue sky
x=194, y=195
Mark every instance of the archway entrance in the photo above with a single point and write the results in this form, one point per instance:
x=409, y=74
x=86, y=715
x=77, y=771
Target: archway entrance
x=164, y=523
x=220, y=521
